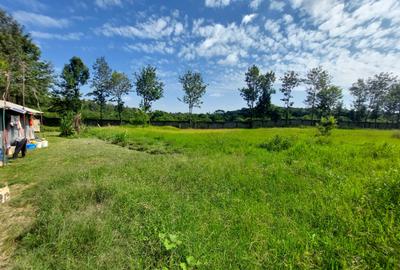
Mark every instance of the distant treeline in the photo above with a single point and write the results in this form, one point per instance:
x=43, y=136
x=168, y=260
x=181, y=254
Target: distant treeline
x=90, y=110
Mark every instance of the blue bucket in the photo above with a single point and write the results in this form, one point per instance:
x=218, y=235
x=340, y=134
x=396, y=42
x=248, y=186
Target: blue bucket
x=30, y=146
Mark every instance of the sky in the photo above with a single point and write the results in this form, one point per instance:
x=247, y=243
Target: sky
x=219, y=38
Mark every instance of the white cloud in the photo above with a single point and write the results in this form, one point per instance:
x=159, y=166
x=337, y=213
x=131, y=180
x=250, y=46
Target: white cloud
x=108, y=3
x=153, y=28
x=231, y=59
x=254, y=4
x=68, y=36
x=287, y=18
x=35, y=19
x=217, y=3
x=157, y=47
x=277, y=5
x=248, y=18
x=272, y=26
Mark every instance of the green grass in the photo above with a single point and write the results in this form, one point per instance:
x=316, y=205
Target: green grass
x=235, y=199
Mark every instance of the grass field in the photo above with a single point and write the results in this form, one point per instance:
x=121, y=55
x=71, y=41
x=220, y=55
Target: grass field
x=148, y=198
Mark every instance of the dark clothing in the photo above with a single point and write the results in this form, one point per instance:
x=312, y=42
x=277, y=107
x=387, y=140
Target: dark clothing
x=20, y=146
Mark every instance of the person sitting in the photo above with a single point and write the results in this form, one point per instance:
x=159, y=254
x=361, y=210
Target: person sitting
x=18, y=140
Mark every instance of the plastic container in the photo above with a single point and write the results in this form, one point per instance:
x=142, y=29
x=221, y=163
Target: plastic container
x=30, y=146
x=45, y=144
x=38, y=145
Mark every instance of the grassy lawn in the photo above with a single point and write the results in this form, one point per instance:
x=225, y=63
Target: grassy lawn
x=134, y=198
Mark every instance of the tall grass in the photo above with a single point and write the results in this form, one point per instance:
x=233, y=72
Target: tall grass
x=253, y=199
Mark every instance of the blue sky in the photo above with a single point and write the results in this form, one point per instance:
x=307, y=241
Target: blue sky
x=219, y=38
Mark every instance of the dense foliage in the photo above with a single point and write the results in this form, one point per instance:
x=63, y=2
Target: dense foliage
x=24, y=77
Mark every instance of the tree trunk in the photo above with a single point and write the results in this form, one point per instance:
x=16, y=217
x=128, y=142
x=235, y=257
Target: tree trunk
x=190, y=116
x=287, y=116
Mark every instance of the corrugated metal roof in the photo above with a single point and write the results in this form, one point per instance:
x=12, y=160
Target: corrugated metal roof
x=18, y=108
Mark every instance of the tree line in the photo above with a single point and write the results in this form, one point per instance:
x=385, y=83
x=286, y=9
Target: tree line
x=111, y=86
x=373, y=97
x=28, y=80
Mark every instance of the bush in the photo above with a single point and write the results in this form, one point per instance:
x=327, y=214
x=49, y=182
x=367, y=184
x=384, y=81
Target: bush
x=277, y=143
x=120, y=139
x=326, y=125
x=67, y=125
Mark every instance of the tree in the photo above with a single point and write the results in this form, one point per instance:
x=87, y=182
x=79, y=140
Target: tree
x=359, y=91
x=194, y=88
x=120, y=86
x=101, y=83
x=24, y=77
x=317, y=80
x=149, y=87
x=67, y=95
x=392, y=103
x=251, y=93
x=290, y=80
x=265, y=86
x=328, y=99
x=378, y=88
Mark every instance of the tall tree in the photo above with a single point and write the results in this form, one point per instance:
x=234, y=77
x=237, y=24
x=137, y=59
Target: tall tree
x=120, y=86
x=378, y=88
x=148, y=86
x=359, y=91
x=266, y=88
x=101, y=83
x=251, y=93
x=290, y=80
x=194, y=89
x=22, y=68
x=328, y=99
x=392, y=103
x=317, y=79
x=67, y=95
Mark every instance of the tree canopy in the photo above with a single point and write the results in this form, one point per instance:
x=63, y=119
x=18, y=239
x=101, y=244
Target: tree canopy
x=20, y=63
x=101, y=83
x=194, y=89
x=148, y=86
x=67, y=95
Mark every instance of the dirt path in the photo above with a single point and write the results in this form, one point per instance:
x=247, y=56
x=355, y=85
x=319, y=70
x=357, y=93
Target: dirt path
x=15, y=219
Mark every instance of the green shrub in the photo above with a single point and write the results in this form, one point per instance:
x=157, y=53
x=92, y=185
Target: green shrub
x=326, y=125
x=120, y=139
x=67, y=125
x=277, y=143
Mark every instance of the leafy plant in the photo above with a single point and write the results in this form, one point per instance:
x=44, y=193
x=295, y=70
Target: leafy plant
x=191, y=263
x=120, y=139
x=326, y=125
x=277, y=143
x=171, y=242
x=67, y=125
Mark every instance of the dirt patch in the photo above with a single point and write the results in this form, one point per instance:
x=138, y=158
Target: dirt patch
x=15, y=219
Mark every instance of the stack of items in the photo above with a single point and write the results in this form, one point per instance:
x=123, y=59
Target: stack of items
x=37, y=143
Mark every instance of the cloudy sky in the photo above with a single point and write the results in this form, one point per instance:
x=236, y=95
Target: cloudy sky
x=220, y=38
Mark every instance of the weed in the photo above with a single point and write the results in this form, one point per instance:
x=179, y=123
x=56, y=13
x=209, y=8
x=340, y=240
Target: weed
x=278, y=143
x=66, y=125
x=326, y=125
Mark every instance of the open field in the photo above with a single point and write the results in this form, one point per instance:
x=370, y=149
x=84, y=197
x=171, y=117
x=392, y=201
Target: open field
x=234, y=199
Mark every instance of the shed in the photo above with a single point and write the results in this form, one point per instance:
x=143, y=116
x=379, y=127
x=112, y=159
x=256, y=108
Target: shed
x=9, y=109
